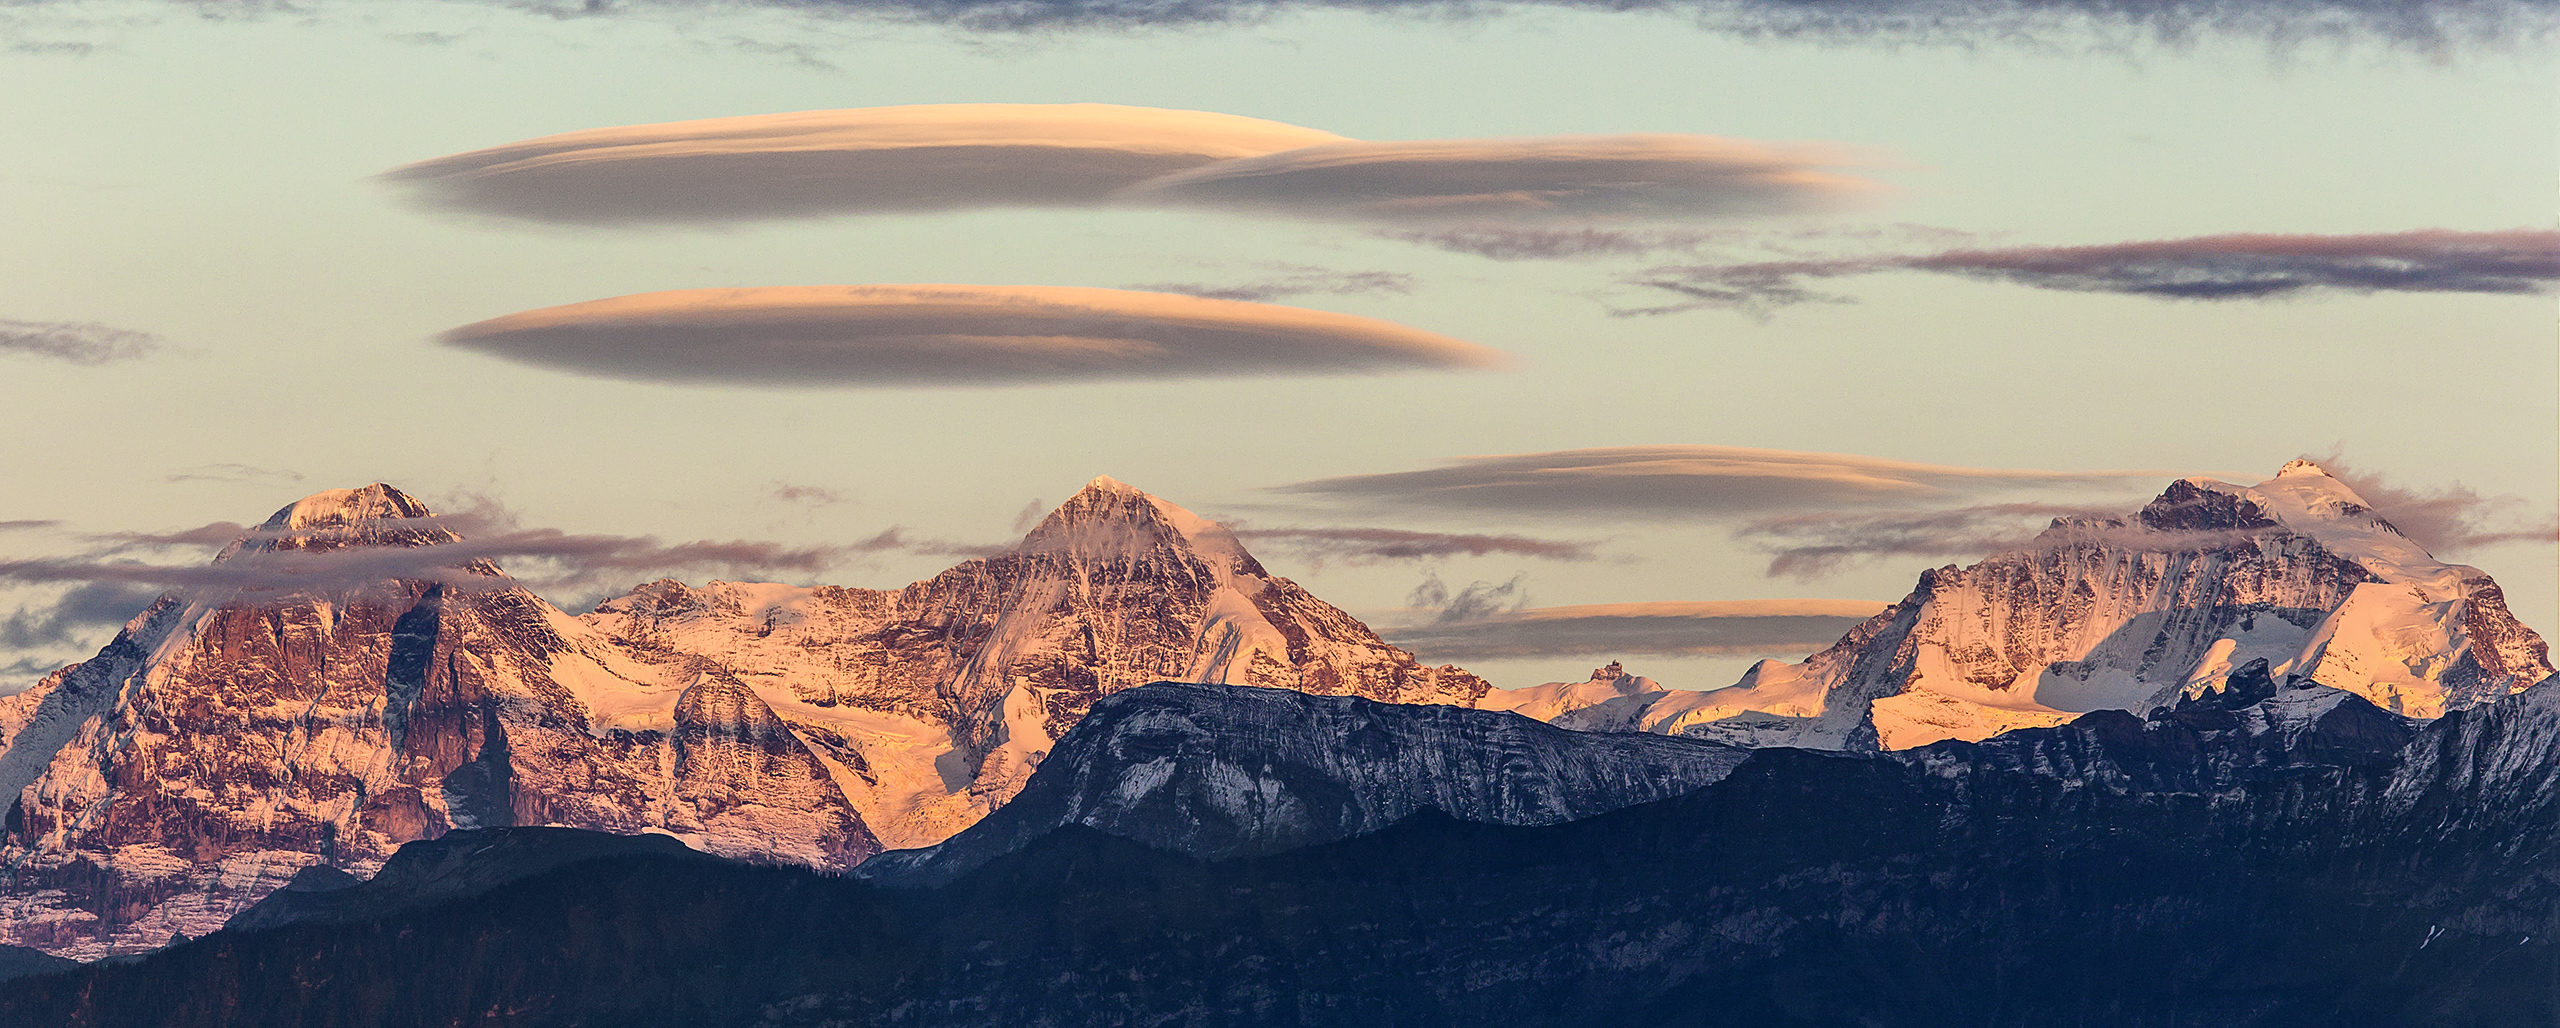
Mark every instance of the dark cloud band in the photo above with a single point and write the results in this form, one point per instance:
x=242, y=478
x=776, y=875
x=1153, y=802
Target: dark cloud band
x=80, y=342
x=2223, y=267
x=951, y=335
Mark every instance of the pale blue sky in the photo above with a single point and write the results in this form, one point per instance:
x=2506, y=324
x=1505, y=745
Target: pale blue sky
x=207, y=182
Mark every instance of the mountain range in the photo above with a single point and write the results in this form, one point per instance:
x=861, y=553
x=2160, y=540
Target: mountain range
x=230, y=740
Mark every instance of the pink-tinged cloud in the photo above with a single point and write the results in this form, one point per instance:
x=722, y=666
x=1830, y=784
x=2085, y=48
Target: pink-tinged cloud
x=1550, y=177
x=951, y=335
x=1716, y=628
x=927, y=157
x=2221, y=267
x=1685, y=482
x=1371, y=545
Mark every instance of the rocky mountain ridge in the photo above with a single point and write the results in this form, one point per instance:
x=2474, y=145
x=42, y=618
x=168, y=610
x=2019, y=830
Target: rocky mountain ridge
x=2129, y=614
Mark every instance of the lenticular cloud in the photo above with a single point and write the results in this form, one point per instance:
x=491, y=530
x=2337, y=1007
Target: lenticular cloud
x=951, y=335
x=1654, y=175
x=926, y=157
x=940, y=157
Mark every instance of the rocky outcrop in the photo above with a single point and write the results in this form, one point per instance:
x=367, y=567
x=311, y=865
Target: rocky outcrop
x=1228, y=771
x=310, y=714
x=2131, y=613
x=941, y=698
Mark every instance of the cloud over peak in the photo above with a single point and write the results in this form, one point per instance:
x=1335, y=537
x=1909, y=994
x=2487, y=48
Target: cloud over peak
x=951, y=335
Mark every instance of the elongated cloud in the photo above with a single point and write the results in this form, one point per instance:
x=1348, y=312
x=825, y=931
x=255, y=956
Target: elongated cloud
x=2223, y=267
x=1370, y=545
x=1683, y=482
x=1640, y=176
x=926, y=157
x=2424, y=25
x=1291, y=280
x=80, y=342
x=950, y=335
x=1728, y=628
x=1812, y=545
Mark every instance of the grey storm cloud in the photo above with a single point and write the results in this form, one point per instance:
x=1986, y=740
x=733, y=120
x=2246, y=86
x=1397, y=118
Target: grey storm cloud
x=951, y=335
x=1727, y=628
x=1683, y=482
x=2220, y=267
x=1292, y=280
x=1547, y=177
x=80, y=342
x=926, y=157
x=1371, y=545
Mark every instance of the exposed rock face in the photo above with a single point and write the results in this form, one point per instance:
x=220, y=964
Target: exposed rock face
x=2128, y=614
x=2266, y=853
x=220, y=745
x=354, y=693
x=1225, y=771
x=940, y=698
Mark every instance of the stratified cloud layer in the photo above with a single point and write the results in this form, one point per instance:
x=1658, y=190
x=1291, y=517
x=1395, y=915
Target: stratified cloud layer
x=1640, y=176
x=948, y=334
x=2223, y=267
x=1731, y=628
x=876, y=159
x=80, y=342
x=1369, y=545
x=2418, y=24
x=1683, y=482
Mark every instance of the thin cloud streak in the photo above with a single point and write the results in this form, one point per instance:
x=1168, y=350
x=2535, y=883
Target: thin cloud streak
x=951, y=335
x=1294, y=280
x=1542, y=178
x=2429, y=26
x=2450, y=518
x=1728, y=628
x=79, y=342
x=926, y=157
x=1375, y=545
x=2221, y=267
x=1682, y=482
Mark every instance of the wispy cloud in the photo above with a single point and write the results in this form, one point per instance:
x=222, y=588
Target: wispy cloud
x=926, y=157
x=2448, y=518
x=1292, y=280
x=80, y=342
x=808, y=495
x=1373, y=545
x=2424, y=25
x=1728, y=628
x=78, y=612
x=1813, y=545
x=247, y=473
x=951, y=335
x=2221, y=267
x=1686, y=482
x=1539, y=178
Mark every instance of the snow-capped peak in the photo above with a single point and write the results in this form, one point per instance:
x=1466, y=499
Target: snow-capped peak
x=2300, y=466
x=337, y=508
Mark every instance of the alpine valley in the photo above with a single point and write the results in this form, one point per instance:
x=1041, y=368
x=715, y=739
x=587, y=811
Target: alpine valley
x=2246, y=756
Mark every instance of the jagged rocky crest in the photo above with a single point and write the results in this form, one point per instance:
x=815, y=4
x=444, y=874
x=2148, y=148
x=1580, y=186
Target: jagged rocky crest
x=2129, y=614
x=223, y=742
x=1227, y=771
